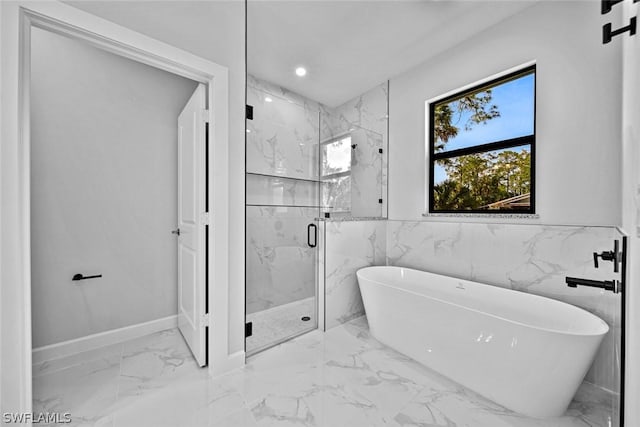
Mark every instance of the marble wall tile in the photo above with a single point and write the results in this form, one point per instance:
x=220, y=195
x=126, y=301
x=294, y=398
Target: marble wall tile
x=283, y=137
x=367, y=111
x=438, y=249
x=349, y=246
x=336, y=196
x=280, y=266
x=366, y=174
x=358, y=193
x=365, y=118
x=281, y=92
x=527, y=258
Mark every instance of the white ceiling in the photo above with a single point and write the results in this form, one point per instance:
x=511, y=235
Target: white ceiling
x=347, y=46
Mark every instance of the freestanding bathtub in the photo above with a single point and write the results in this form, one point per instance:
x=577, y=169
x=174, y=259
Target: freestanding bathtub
x=525, y=352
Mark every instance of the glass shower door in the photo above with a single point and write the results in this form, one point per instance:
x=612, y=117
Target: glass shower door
x=281, y=216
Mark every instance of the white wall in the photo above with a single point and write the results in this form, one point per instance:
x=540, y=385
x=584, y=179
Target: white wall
x=104, y=189
x=631, y=208
x=578, y=111
x=181, y=24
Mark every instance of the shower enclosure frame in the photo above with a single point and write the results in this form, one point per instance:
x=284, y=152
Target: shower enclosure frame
x=317, y=222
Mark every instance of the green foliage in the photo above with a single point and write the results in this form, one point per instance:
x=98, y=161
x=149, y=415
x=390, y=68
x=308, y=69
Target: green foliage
x=447, y=117
x=476, y=180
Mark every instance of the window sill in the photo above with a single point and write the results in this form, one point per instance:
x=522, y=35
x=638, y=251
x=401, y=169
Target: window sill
x=483, y=216
x=352, y=218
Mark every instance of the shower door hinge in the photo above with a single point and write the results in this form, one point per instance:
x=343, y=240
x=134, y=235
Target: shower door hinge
x=204, y=321
x=205, y=219
x=205, y=116
x=248, y=329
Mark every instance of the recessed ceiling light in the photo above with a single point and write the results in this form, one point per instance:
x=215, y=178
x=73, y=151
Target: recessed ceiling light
x=301, y=71
x=267, y=99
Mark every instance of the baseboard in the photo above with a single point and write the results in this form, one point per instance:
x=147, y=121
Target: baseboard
x=102, y=339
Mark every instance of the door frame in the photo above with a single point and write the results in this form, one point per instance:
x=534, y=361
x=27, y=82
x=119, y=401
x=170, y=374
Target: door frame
x=17, y=18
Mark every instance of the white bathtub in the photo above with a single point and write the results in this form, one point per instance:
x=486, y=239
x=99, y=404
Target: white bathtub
x=525, y=352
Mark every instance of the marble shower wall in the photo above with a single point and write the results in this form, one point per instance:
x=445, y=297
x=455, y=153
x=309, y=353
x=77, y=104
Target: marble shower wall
x=365, y=118
x=280, y=266
x=283, y=136
x=366, y=174
x=527, y=258
x=349, y=246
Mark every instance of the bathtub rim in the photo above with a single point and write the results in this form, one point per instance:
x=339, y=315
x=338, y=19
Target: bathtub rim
x=596, y=318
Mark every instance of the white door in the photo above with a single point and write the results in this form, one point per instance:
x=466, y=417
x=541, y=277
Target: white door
x=191, y=229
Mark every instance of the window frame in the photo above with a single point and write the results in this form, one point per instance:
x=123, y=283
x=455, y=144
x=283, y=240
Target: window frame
x=485, y=147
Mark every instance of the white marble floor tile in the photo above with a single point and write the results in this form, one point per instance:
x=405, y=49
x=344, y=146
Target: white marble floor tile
x=242, y=418
x=341, y=378
x=152, y=363
x=186, y=403
x=87, y=391
x=50, y=366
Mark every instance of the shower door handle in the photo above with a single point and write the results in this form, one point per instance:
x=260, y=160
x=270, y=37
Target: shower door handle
x=315, y=235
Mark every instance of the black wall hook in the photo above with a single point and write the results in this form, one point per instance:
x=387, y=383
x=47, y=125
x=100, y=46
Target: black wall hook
x=608, y=34
x=79, y=276
x=606, y=5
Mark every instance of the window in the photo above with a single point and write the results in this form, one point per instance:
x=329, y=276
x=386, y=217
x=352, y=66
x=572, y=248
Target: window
x=482, y=148
x=336, y=174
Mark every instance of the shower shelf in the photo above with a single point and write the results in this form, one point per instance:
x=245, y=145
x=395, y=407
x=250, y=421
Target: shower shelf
x=281, y=176
x=284, y=206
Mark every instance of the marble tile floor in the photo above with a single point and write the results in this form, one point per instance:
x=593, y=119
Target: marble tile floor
x=342, y=377
x=279, y=323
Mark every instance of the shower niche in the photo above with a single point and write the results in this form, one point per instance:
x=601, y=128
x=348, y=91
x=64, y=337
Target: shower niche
x=306, y=163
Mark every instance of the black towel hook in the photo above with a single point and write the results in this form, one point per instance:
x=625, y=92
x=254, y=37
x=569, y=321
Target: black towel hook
x=79, y=276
